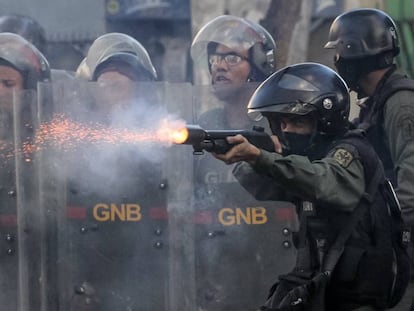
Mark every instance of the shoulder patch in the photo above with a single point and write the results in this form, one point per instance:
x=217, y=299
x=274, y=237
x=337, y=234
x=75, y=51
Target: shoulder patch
x=407, y=128
x=343, y=157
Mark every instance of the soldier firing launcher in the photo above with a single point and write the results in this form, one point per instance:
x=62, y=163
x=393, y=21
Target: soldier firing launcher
x=215, y=140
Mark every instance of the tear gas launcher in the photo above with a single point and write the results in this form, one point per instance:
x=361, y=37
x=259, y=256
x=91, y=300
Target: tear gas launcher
x=215, y=140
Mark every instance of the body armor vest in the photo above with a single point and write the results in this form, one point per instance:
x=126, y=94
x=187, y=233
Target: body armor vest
x=325, y=222
x=372, y=117
x=372, y=244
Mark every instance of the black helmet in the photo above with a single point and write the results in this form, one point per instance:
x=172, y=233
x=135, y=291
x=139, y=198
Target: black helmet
x=26, y=27
x=236, y=32
x=365, y=40
x=17, y=52
x=301, y=89
x=120, y=50
x=363, y=32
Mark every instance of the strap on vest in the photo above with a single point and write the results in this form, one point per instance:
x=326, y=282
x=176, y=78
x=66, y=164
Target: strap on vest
x=303, y=260
x=338, y=247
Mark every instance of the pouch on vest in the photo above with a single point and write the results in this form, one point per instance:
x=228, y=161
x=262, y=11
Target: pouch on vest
x=298, y=291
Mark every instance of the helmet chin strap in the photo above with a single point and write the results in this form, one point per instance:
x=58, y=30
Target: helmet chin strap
x=256, y=75
x=252, y=74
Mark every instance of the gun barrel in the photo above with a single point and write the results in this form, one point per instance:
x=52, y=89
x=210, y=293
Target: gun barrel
x=195, y=134
x=215, y=140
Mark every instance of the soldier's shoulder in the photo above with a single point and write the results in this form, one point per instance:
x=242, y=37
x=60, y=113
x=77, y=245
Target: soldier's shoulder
x=349, y=147
x=213, y=118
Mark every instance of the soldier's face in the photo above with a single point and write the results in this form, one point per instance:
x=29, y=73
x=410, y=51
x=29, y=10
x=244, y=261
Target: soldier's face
x=117, y=90
x=10, y=80
x=229, y=76
x=294, y=132
x=303, y=125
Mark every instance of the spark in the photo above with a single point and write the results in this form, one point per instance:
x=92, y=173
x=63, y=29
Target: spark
x=67, y=134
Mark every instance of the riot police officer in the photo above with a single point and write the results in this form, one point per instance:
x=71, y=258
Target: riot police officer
x=33, y=32
x=22, y=66
x=117, y=52
x=18, y=53
x=117, y=62
x=366, y=43
x=119, y=74
x=233, y=55
x=236, y=54
x=326, y=170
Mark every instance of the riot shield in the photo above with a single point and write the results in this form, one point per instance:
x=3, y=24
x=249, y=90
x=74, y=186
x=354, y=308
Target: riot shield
x=115, y=217
x=114, y=197
x=241, y=244
x=18, y=228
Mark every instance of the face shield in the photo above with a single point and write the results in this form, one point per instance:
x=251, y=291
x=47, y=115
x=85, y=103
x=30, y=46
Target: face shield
x=25, y=58
x=299, y=91
x=289, y=95
x=238, y=34
x=126, y=64
x=289, y=98
x=109, y=46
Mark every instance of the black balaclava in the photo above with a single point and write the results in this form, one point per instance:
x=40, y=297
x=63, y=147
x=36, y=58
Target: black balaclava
x=298, y=144
x=351, y=70
x=292, y=143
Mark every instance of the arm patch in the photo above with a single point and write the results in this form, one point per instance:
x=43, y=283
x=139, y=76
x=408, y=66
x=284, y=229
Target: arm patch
x=407, y=128
x=343, y=157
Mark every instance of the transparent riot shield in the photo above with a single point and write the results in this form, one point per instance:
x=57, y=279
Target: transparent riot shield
x=113, y=195
x=18, y=228
x=241, y=244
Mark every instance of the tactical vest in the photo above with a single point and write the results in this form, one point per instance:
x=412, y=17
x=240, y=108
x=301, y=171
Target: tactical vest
x=364, y=274
x=372, y=117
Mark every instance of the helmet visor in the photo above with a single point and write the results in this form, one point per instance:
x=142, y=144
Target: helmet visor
x=296, y=108
x=231, y=31
x=112, y=44
x=349, y=47
x=127, y=64
x=21, y=54
x=290, y=95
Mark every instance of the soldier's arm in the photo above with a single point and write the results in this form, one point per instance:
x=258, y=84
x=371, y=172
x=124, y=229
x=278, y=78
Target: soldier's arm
x=399, y=128
x=337, y=179
x=261, y=186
